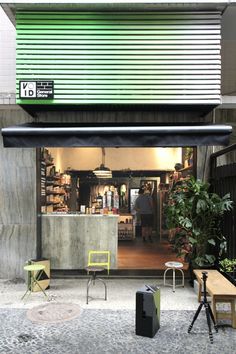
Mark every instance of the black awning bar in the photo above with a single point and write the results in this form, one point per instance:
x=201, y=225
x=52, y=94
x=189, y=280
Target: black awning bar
x=62, y=130
x=70, y=135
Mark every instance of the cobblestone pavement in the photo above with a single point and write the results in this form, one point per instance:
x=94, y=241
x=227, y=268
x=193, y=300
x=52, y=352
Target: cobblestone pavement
x=121, y=294
x=105, y=326
x=108, y=331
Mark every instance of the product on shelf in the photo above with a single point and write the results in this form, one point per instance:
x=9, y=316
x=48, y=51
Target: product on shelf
x=126, y=229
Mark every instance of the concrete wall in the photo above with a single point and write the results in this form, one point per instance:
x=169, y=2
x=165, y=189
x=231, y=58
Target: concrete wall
x=18, y=200
x=228, y=52
x=228, y=84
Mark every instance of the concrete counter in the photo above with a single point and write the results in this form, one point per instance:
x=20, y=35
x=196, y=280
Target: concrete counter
x=67, y=238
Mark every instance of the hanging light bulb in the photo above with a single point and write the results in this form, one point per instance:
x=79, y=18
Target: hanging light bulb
x=102, y=171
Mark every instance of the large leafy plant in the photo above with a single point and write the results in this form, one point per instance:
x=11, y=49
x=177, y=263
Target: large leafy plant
x=196, y=214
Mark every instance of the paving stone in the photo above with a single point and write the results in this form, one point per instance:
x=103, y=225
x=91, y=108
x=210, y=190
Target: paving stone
x=111, y=331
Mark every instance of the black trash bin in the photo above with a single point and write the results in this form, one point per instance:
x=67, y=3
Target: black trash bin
x=147, y=311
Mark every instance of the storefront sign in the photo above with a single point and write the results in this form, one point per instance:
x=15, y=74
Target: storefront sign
x=36, y=89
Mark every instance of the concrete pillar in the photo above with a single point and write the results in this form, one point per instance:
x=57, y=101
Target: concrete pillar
x=18, y=200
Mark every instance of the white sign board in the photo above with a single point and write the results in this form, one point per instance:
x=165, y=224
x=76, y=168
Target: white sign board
x=36, y=89
x=28, y=89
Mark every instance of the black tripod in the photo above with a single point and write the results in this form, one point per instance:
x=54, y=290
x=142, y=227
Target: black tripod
x=209, y=314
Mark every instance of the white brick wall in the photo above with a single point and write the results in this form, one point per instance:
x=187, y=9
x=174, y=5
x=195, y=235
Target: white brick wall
x=7, y=54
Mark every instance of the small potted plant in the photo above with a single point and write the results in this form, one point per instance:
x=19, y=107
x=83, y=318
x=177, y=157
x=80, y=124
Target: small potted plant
x=228, y=268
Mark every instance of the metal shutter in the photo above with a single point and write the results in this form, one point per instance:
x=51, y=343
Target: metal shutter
x=121, y=57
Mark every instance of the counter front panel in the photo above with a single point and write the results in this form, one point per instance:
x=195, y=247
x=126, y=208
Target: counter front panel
x=67, y=239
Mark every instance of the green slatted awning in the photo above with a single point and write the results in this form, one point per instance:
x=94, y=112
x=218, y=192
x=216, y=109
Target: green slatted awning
x=121, y=58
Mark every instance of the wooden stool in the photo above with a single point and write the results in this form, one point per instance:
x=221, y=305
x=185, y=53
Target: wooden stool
x=93, y=278
x=174, y=266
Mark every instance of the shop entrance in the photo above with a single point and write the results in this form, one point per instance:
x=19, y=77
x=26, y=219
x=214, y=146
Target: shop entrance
x=71, y=184
x=64, y=239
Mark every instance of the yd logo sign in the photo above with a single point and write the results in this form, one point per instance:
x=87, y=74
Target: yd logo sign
x=42, y=89
x=27, y=89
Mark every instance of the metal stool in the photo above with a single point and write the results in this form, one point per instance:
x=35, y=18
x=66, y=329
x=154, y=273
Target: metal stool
x=93, y=278
x=174, y=266
x=35, y=273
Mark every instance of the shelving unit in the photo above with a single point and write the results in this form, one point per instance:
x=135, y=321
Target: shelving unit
x=43, y=186
x=53, y=191
x=126, y=228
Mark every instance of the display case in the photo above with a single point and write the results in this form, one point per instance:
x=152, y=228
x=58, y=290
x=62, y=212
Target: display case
x=126, y=227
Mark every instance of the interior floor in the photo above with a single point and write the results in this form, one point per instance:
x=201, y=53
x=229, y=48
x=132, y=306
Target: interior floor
x=137, y=254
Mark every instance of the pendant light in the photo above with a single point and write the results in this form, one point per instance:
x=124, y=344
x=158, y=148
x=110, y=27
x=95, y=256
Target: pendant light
x=102, y=171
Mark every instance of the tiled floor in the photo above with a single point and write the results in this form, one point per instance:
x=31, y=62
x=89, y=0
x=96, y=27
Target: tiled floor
x=139, y=255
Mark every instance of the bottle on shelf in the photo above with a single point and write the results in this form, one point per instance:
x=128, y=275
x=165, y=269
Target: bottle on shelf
x=116, y=199
x=109, y=199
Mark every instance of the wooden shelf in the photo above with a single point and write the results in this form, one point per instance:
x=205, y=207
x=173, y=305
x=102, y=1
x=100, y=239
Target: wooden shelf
x=126, y=230
x=190, y=167
x=52, y=180
x=54, y=193
x=124, y=225
x=47, y=163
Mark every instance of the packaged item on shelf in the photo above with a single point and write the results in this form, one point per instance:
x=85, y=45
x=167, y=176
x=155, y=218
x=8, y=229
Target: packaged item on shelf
x=109, y=199
x=82, y=209
x=116, y=199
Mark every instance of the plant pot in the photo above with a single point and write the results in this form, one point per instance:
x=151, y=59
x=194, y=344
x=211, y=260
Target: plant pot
x=231, y=277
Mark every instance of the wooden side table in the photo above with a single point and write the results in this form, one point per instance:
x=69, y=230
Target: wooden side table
x=221, y=290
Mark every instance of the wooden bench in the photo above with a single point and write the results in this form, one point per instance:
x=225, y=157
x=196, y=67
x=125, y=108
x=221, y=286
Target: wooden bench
x=221, y=290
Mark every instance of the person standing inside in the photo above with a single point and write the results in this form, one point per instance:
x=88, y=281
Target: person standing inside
x=144, y=206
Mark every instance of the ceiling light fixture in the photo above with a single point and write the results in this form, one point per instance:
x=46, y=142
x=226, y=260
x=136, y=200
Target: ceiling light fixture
x=102, y=171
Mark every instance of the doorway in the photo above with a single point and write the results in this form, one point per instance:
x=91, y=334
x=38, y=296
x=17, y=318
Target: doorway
x=130, y=169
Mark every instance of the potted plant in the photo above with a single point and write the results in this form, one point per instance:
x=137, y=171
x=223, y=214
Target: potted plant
x=227, y=265
x=196, y=214
x=228, y=268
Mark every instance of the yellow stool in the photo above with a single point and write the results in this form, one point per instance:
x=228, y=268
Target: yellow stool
x=35, y=273
x=96, y=258
x=98, y=261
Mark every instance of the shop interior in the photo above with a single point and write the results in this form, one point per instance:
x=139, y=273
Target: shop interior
x=106, y=181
